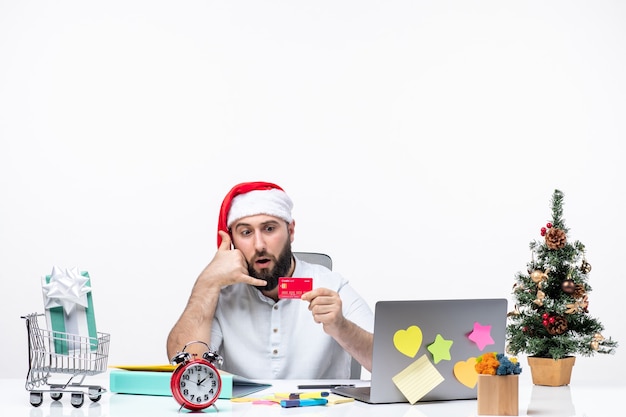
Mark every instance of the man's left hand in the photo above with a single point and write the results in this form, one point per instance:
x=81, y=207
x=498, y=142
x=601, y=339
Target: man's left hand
x=325, y=305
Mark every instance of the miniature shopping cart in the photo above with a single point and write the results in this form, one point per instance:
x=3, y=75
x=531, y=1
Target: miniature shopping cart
x=52, y=352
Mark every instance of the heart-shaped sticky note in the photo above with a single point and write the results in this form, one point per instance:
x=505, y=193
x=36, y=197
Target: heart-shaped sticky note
x=408, y=341
x=466, y=373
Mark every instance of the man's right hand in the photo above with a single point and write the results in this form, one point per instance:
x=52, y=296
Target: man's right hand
x=228, y=267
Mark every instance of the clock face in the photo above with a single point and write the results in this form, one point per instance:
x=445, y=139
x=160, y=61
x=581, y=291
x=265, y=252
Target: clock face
x=196, y=385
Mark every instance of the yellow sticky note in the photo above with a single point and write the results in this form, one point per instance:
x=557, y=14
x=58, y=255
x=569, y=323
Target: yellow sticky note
x=417, y=379
x=408, y=341
x=338, y=399
x=151, y=368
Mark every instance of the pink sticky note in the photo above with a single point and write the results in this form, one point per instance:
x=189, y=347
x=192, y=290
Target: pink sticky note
x=264, y=402
x=481, y=335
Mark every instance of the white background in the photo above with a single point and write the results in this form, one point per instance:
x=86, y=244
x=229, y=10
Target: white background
x=420, y=141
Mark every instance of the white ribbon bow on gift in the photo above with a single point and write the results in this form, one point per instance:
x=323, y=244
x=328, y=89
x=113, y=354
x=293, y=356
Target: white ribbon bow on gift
x=67, y=288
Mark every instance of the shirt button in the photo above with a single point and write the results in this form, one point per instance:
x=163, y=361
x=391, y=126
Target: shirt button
x=275, y=330
x=275, y=351
x=275, y=307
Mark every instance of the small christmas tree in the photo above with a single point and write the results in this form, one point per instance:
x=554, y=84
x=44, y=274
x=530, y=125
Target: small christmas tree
x=551, y=317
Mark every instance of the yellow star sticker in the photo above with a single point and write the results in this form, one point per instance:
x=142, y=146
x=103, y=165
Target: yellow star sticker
x=440, y=349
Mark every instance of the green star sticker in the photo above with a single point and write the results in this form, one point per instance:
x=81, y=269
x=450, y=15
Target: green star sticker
x=440, y=348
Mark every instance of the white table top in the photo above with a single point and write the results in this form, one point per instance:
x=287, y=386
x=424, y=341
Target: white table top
x=574, y=400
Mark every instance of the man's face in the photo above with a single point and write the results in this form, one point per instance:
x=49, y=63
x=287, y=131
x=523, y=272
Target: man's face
x=282, y=265
x=265, y=241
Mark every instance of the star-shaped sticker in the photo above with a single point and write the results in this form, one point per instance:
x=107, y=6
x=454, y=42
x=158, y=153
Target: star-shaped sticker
x=66, y=288
x=440, y=349
x=481, y=335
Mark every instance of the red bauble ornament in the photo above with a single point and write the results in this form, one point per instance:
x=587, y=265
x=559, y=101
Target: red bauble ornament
x=543, y=231
x=545, y=316
x=548, y=225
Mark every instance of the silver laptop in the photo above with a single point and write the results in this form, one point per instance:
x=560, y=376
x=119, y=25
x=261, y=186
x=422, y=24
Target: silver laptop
x=463, y=329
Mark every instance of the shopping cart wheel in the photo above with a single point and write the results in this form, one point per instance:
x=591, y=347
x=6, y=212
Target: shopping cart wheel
x=56, y=395
x=77, y=399
x=36, y=398
x=95, y=393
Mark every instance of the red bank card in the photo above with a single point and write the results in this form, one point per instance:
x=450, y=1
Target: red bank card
x=294, y=287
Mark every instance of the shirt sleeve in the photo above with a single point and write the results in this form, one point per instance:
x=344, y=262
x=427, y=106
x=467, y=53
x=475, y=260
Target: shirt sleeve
x=355, y=308
x=216, y=335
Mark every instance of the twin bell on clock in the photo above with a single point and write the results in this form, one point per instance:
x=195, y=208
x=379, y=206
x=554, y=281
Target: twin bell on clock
x=196, y=382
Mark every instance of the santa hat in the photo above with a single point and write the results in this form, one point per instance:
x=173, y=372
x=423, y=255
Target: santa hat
x=252, y=198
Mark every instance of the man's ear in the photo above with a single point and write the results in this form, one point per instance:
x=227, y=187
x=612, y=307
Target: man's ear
x=232, y=241
x=291, y=227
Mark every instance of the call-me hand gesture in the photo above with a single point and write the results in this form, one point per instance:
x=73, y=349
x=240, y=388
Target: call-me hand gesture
x=228, y=267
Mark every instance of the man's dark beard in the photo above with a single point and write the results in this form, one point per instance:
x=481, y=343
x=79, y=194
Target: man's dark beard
x=281, y=269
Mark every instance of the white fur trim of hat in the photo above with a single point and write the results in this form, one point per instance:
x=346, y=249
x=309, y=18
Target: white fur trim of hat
x=272, y=202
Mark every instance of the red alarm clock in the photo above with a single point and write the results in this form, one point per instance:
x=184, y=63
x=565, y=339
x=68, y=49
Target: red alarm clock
x=196, y=383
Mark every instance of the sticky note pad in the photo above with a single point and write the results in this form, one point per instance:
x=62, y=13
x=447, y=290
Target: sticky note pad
x=417, y=379
x=338, y=399
x=294, y=287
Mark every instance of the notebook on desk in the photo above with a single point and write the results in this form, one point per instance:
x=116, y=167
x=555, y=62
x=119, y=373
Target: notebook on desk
x=425, y=350
x=156, y=380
